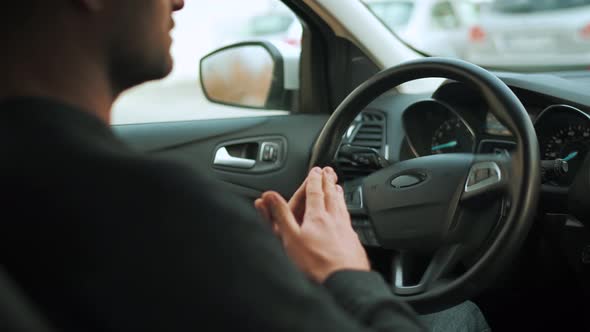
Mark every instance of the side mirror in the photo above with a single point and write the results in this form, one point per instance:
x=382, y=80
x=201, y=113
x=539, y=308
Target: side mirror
x=250, y=74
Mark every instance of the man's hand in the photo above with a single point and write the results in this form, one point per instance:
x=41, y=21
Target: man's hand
x=315, y=226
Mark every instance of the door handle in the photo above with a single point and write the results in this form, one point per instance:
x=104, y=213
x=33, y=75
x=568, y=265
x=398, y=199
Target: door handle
x=223, y=158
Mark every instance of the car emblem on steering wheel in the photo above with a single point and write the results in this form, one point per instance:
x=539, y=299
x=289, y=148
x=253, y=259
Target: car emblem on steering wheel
x=406, y=181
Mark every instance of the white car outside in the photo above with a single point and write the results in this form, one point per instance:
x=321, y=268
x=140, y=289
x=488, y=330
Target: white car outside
x=435, y=27
x=276, y=26
x=533, y=35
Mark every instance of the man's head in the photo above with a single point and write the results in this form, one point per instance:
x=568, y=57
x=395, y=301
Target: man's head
x=120, y=42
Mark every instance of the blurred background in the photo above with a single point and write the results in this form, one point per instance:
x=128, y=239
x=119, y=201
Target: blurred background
x=510, y=35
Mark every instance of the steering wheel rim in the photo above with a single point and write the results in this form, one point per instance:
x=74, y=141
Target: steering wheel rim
x=522, y=169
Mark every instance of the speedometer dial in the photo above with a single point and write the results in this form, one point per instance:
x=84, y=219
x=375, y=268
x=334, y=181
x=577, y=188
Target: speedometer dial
x=564, y=133
x=570, y=144
x=433, y=127
x=452, y=136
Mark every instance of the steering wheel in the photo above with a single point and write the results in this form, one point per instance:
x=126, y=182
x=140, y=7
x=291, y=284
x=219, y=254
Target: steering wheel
x=439, y=210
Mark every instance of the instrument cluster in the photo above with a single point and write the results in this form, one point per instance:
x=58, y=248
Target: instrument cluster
x=434, y=127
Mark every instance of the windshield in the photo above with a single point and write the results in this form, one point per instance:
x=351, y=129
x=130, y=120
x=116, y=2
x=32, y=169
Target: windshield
x=513, y=35
x=394, y=14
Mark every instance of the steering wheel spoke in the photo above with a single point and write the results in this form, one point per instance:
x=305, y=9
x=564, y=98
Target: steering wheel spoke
x=353, y=195
x=415, y=274
x=488, y=174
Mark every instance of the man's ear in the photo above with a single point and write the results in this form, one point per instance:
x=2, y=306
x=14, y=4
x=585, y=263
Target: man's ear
x=91, y=5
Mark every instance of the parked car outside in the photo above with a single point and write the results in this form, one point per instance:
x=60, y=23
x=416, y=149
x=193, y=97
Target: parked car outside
x=532, y=35
x=437, y=27
x=275, y=26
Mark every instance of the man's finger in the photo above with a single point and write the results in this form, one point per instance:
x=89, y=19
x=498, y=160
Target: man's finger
x=281, y=214
x=314, y=200
x=265, y=214
x=332, y=173
x=297, y=202
x=331, y=195
x=276, y=230
x=262, y=210
x=340, y=201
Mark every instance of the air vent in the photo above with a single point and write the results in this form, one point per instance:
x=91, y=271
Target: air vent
x=370, y=117
x=370, y=131
x=369, y=135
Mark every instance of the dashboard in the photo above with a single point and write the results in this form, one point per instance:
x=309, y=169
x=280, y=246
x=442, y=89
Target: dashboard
x=456, y=119
x=436, y=126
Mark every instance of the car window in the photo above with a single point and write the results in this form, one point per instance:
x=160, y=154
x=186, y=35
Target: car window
x=443, y=16
x=394, y=14
x=273, y=23
x=200, y=30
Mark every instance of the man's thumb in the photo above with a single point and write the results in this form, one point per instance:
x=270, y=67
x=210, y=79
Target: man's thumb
x=281, y=213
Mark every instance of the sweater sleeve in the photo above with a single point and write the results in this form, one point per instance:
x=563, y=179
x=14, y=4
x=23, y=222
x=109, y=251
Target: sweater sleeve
x=368, y=298
x=168, y=252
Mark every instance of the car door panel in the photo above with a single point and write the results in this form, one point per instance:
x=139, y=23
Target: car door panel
x=197, y=142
